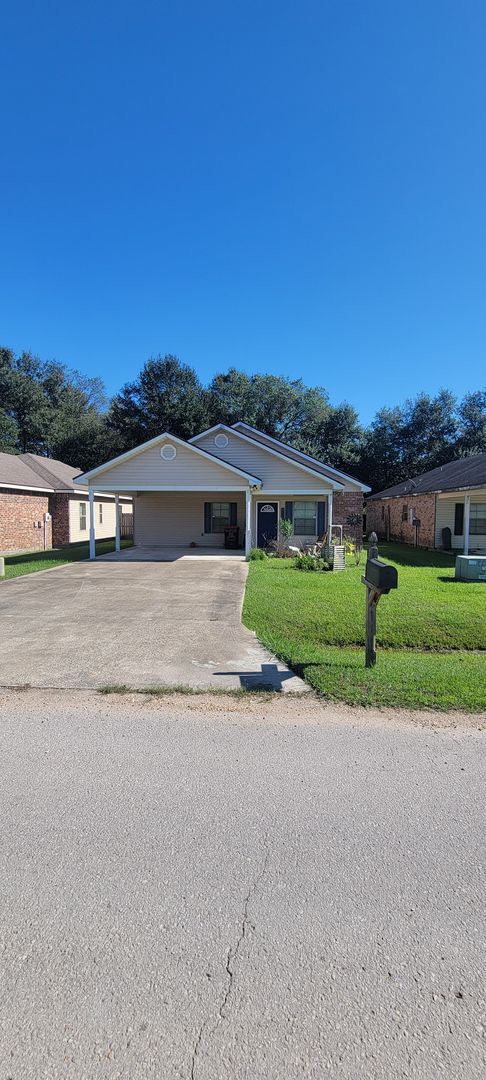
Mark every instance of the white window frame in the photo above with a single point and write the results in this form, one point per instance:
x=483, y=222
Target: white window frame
x=220, y=502
x=100, y=513
x=305, y=502
x=83, y=525
x=472, y=532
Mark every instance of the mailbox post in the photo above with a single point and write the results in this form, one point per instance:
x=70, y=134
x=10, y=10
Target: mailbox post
x=379, y=578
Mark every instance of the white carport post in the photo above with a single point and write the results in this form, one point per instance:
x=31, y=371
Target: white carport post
x=117, y=522
x=92, y=546
x=467, y=515
x=329, y=517
x=248, y=523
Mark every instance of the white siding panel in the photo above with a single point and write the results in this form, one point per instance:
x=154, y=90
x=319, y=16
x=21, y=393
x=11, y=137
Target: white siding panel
x=186, y=469
x=445, y=514
x=276, y=473
x=176, y=518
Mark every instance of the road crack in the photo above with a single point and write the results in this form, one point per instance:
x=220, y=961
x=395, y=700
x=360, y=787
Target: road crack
x=231, y=958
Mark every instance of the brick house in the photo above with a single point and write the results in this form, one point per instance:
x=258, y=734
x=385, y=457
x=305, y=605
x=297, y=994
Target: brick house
x=443, y=509
x=40, y=507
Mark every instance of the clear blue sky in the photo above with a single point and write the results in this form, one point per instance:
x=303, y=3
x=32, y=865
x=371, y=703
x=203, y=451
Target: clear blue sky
x=296, y=188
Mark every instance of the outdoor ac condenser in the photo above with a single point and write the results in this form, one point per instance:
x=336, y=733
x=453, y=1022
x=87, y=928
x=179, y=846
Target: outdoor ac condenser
x=471, y=567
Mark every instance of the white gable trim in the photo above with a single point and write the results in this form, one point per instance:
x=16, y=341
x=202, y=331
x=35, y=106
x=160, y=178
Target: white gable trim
x=84, y=478
x=335, y=484
x=336, y=472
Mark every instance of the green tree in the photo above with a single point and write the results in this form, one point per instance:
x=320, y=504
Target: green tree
x=167, y=396
x=472, y=423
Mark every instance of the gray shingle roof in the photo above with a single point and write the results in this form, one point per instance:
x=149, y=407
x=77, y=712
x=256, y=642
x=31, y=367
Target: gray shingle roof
x=15, y=470
x=55, y=473
x=468, y=472
x=34, y=472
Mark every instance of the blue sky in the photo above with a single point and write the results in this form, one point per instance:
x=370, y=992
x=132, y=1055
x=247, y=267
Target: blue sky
x=296, y=188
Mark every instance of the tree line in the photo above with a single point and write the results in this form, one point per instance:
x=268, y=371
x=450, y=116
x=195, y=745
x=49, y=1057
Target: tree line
x=49, y=409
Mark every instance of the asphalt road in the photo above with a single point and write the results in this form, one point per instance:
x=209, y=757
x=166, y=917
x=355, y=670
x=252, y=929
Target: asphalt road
x=238, y=891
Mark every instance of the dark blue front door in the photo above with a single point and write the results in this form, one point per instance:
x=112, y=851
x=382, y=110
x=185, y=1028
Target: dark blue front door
x=267, y=523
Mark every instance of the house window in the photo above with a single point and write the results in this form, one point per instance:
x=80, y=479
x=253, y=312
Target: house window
x=220, y=516
x=305, y=519
x=477, y=519
x=383, y=513
x=405, y=512
x=82, y=517
x=101, y=513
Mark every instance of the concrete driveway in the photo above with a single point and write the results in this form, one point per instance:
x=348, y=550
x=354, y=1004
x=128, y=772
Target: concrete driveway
x=238, y=892
x=134, y=621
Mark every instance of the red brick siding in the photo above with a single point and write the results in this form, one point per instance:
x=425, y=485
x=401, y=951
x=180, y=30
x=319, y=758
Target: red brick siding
x=18, y=511
x=60, y=519
x=345, y=503
x=384, y=517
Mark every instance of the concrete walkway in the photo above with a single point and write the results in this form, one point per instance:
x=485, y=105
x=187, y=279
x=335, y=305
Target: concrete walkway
x=134, y=620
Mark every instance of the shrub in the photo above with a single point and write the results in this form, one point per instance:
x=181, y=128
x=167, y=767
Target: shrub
x=257, y=553
x=311, y=563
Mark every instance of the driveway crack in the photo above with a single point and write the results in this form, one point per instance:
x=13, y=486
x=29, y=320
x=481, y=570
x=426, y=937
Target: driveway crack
x=231, y=958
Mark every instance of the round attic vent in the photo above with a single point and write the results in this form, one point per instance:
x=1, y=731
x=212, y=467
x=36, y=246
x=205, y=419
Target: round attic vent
x=168, y=452
x=221, y=441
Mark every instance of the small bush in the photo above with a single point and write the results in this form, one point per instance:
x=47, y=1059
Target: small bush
x=257, y=553
x=311, y=563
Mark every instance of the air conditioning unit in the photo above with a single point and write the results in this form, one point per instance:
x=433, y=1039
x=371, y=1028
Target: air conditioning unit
x=471, y=568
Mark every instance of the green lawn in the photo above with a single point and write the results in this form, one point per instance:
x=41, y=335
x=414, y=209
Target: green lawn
x=431, y=632
x=16, y=565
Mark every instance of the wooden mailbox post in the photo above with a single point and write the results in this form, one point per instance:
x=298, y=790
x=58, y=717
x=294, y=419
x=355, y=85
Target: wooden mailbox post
x=379, y=578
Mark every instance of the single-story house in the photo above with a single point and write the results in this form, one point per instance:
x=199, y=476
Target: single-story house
x=186, y=493
x=41, y=507
x=444, y=508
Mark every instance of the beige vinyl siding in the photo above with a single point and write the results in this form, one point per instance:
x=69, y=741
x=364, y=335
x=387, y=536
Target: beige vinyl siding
x=349, y=483
x=275, y=472
x=187, y=469
x=106, y=529
x=176, y=518
x=445, y=515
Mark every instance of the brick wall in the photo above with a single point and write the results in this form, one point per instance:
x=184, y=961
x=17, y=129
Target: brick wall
x=18, y=511
x=59, y=508
x=384, y=517
x=345, y=503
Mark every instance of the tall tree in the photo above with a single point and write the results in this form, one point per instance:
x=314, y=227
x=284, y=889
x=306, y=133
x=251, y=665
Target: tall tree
x=471, y=438
x=167, y=396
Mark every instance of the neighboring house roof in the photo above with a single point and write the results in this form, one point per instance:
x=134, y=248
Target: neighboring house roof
x=91, y=474
x=458, y=475
x=289, y=453
x=55, y=473
x=16, y=472
x=32, y=472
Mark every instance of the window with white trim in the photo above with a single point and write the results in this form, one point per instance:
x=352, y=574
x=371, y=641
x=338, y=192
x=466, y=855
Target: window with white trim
x=220, y=516
x=101, y=513
x=82, y=517
x=477, y=519
x=305, y=519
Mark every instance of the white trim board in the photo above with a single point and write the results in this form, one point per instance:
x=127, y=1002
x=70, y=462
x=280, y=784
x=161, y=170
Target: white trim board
x=206, y=489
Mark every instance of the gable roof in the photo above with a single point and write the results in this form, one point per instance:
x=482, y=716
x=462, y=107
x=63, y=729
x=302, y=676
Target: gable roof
x=289, y=453
x=469, y=472
x=213, y=458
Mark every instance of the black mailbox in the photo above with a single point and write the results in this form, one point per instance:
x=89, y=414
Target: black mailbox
x=381, y=575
